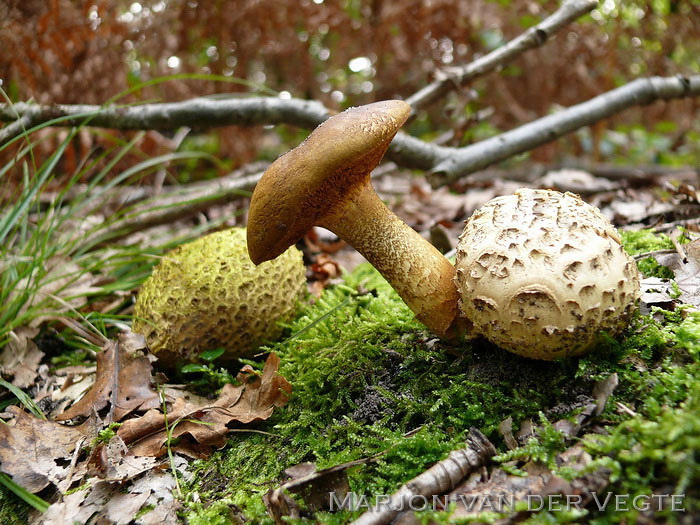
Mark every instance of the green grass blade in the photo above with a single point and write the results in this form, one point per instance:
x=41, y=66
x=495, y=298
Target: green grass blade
x=22, y=493
x=30, y=191
x=23, y=398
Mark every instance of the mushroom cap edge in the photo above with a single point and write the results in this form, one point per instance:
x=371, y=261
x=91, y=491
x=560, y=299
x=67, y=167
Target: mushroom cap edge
x=303, y=185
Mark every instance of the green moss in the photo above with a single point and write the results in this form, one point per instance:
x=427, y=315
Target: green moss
x=650, y=267
x=365, y=374
x=645, y=241
x=219, y=512
x=369, y=379
x=542, y=448
x=13, y=511
x=656, y=451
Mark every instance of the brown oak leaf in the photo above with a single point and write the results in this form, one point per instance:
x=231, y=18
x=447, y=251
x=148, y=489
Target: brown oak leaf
x=206, y=425
x=123, y=381
x=37, y=452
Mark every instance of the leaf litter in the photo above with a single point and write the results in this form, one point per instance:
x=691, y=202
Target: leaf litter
x=110, y=466
x=123, y=476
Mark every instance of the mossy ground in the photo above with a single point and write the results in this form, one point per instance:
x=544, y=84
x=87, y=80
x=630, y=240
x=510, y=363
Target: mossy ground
x=13, y=510
x=368, y=379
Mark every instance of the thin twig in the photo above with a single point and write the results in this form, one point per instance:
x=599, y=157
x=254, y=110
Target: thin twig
x=16, y=128
x=441, y=477
x=534, y=37
x=175, y=205
x=200, y=112
x=459, y=162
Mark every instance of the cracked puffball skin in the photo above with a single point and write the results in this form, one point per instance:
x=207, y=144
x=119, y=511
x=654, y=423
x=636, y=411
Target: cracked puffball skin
x=542, y=273
x=207, y=294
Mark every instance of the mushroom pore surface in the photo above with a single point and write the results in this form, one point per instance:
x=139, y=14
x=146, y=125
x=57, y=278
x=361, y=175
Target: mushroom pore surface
x=541, y=274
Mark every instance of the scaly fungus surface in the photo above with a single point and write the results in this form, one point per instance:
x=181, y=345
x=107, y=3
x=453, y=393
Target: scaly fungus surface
x=541, y=274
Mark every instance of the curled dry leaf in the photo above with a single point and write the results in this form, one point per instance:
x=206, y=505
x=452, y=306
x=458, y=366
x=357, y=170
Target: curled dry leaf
x=207, y=425
x=123, y=379
x=686, y=270
x=311, y=485
x=324, y=270
x=37, y=452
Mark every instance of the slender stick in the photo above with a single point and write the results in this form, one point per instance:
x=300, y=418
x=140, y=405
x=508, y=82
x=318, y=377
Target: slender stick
x=546, y=129
x=535, y=36
x=441, y=477
x=200, y=112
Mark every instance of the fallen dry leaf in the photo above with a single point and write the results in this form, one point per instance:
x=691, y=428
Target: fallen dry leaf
x=687, y=273
x=103, y=502
x=36, y=452
x=311, y=485
x=656, y=292
x=207, y=425
x=324, y=271
x=576, y=181
x=122, y=479
x=123, y=381
x=113, y=462
x=686, y=270
x=21, y=358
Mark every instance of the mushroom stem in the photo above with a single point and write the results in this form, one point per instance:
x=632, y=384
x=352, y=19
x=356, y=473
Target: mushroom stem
x=420, y=274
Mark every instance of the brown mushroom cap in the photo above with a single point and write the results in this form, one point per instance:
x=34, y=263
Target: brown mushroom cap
x=305, y=184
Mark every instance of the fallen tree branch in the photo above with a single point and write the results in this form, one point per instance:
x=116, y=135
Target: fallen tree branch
x=445, y=164
x=546, y=129
x=120, y=196
x=536, y=36
x=16, y=128
x=200, y=112
x=641, y=174
x=175, y=205
x=441, y=477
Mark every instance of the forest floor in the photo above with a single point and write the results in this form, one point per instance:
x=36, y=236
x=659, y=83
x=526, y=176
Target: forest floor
x=375, y=399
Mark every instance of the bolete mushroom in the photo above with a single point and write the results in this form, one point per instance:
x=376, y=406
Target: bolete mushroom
x=325, y=181
x=540, y=273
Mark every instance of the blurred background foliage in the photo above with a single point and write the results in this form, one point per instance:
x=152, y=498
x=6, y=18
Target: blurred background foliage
x=349, y=52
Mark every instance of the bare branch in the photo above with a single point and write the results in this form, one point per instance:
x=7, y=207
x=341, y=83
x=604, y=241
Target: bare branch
x=177, y=204
x=445, y=164
x=15, y=129
x=455, y=163
x=202, y=112
x=536, y=36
